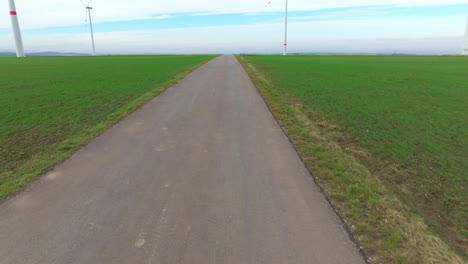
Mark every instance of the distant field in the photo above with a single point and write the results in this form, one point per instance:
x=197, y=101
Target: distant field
x=50, y=106
x=407, y=116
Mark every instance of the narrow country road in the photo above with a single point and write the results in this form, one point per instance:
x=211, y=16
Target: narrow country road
x=202, y=174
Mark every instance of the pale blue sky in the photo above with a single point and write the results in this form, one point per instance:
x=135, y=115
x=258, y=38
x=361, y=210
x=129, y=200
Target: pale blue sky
x=394, y=26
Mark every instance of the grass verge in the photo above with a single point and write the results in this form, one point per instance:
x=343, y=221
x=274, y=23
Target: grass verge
x=388, y=230
x=52, y=112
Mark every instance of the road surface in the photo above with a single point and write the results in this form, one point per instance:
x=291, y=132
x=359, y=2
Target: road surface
x=202, y=174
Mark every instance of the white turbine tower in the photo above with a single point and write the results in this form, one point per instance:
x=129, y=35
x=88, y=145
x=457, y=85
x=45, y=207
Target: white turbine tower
x=285, y=44
x=88, y=12
x=465, y=45
x=16, y=29
x=285, y=52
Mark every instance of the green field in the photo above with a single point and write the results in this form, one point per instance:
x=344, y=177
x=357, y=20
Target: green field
x=404, y=117
x=51, y=106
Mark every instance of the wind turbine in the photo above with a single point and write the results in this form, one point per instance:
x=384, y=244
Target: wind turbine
x=16, y=29
x=285, y=52
x=285, y=44
x=465, y=47
x=88, y=12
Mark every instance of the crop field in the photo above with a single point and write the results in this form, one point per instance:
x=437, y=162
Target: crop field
x=404, y=117
x=51, y=106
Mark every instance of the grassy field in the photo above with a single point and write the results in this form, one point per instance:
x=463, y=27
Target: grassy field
x=399, y=125
x=52, y=106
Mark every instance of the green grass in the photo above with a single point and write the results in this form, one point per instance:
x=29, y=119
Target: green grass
x=373, y=126
x=52, y=106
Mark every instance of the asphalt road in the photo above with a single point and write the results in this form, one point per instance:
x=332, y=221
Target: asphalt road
x=202, y=174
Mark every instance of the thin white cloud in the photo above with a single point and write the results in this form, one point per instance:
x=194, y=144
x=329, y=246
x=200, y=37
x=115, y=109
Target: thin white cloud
x=44, y=13
x=163, y=16
x=441, y=35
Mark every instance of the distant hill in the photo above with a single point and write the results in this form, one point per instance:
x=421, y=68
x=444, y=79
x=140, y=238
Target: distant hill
x=55, y=54
x=7, y=54
x=44, y=54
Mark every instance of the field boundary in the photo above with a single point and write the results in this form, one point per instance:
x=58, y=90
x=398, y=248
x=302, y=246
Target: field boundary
x=387, y=229
x=39, y=165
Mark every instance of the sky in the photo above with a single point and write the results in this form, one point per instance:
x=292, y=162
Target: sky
x=240, y=26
